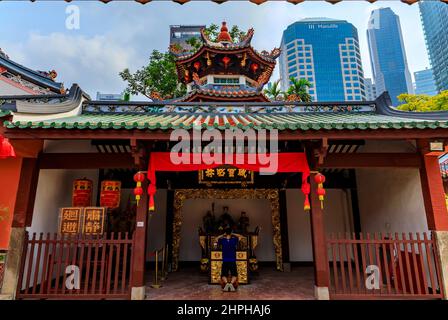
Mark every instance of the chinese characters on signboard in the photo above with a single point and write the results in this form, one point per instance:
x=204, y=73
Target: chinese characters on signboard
x=70, y=220
x=94, y=220
x=90, y=220
x=226, y=175
x=110, y=194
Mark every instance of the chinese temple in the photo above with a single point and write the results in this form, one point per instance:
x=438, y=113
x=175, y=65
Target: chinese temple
x=356, y=189
x=16, y=79
x=224, y=70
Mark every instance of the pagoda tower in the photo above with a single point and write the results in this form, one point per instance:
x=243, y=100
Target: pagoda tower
x=224, y=71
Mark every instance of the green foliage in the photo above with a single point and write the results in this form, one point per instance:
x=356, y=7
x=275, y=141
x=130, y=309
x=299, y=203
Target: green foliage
x=273, y=91
x=299, y=88
x=423, y=102
x=158, y=76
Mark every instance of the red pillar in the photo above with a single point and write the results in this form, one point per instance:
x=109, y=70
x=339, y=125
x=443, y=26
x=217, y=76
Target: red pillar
x=433, y=191
x=139, y=250
x=321, y=272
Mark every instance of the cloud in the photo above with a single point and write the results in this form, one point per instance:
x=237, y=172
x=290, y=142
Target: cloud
x=92, y=62
x=122, y=34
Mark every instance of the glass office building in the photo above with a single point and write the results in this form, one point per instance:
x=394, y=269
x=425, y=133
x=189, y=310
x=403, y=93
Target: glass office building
x=424, y=82
x=326, y=53
x=434, y=16
x=387, y=54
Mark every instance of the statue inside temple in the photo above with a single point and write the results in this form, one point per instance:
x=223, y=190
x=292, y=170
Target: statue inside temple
x=225, y=220
x=243, y=223
x=209, y=222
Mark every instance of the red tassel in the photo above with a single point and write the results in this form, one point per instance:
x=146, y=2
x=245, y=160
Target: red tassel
x=151, y=203
x=306, y=205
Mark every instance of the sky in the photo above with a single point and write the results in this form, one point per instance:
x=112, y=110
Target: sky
x=122, y=34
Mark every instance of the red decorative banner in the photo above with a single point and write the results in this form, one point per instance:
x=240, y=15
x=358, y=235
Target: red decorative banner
x=110, y=194
x=285, y=162
x=82, y=193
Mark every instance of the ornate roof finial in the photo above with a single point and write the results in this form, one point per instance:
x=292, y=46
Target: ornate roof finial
x=224, y=35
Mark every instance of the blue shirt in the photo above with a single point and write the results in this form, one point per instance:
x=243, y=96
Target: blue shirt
x=228, y=248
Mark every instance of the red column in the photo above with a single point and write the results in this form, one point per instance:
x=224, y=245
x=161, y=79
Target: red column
x=433, y=191
x=321, y=272
x=139, y=251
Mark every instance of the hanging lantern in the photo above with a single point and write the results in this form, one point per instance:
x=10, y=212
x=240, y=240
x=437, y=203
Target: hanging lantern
x=110, y=194
x=139, y=177
x=226, y=61
x=6, y=148
x=138, y=191
x=254, y=67
x=197, y=65
x=82, y=193
x=320, y=179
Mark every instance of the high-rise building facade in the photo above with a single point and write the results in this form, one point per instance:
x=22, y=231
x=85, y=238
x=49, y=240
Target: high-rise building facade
x=326, y=53
x=179, y=34
x=434, y=16
x=424, y=82
x=370, y=89
x=387, y=54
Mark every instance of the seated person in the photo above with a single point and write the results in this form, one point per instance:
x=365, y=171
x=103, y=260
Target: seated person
x=229, y=244
x=225, y=220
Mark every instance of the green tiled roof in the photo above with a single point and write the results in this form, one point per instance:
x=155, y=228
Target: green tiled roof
x=280, y=121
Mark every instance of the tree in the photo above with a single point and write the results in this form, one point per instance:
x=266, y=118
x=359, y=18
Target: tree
x=423, y=102
x=299, y=88
x=158, y=77
x=273, y=91
x=212, y=32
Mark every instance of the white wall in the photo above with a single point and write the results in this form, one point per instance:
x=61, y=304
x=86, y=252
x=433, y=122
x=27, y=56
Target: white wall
x=258, y=211
x=54, y=190
x=337, y=218
x=391, y=200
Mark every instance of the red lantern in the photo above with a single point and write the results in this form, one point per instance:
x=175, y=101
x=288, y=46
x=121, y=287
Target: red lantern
x=138, y=191
x=320, y=179
x=139, y=177
x=254, y=67
x=82, y=193
x=197, y=65
x=6, y=149
x=321, y=193
x=226, y=61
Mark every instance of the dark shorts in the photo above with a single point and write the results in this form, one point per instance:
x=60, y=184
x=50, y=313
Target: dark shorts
x=229, y=267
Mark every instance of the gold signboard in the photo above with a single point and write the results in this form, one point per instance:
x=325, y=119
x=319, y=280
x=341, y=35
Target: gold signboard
x=70, y=220
x=226, y=175
x=94, y=220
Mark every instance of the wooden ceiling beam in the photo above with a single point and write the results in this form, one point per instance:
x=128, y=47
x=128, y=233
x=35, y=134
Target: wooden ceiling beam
x=371, y=160
x=85, y=160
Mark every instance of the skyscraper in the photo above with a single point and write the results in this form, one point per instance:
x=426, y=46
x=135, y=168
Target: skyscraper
x=179, y=34
x=424, y=82
x=434, y=16
x=370, y=89
x=387, y=54
x=326, y=53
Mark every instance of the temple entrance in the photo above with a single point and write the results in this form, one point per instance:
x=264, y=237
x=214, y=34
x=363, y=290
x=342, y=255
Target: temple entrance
x=181, y=203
